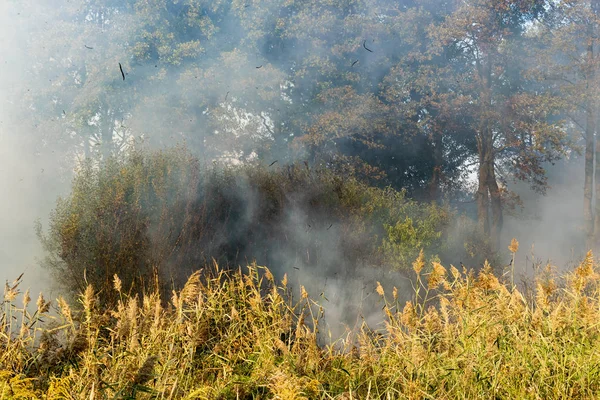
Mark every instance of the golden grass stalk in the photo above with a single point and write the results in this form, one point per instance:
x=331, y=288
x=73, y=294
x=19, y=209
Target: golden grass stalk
x=238, y=335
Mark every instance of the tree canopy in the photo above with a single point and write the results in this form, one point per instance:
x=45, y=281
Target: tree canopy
x=427, y=96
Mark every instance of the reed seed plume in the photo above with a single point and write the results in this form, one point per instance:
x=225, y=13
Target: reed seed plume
x=514, y=246
x=117, y=284
x=42, y=305
x=10, y=293
x=419, y=263
x=436, y=277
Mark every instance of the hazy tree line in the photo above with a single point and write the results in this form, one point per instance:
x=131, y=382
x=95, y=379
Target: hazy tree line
x=421, y=95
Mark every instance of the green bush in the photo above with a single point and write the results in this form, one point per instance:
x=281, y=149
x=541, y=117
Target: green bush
x=157, y=216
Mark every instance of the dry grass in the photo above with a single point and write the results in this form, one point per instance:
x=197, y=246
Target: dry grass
x=240, y=336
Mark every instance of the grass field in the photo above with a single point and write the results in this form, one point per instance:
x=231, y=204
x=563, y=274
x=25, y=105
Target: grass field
x=240, y=335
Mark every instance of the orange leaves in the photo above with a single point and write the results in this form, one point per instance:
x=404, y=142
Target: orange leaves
x=347, y=113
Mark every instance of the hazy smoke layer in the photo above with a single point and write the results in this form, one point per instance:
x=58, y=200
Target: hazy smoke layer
x=223, y=106
x=550, y=228
x=24, y=194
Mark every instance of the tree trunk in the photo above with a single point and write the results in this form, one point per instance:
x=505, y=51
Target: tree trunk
x=488, y=189
x=593, y=119
x=496, y=203
x=483, y=199
x=588, y=184
x=590, y=130
x=438, y=162
x=488, y=186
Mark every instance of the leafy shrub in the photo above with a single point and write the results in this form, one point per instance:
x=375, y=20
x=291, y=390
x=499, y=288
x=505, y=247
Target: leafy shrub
x=164, y=214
